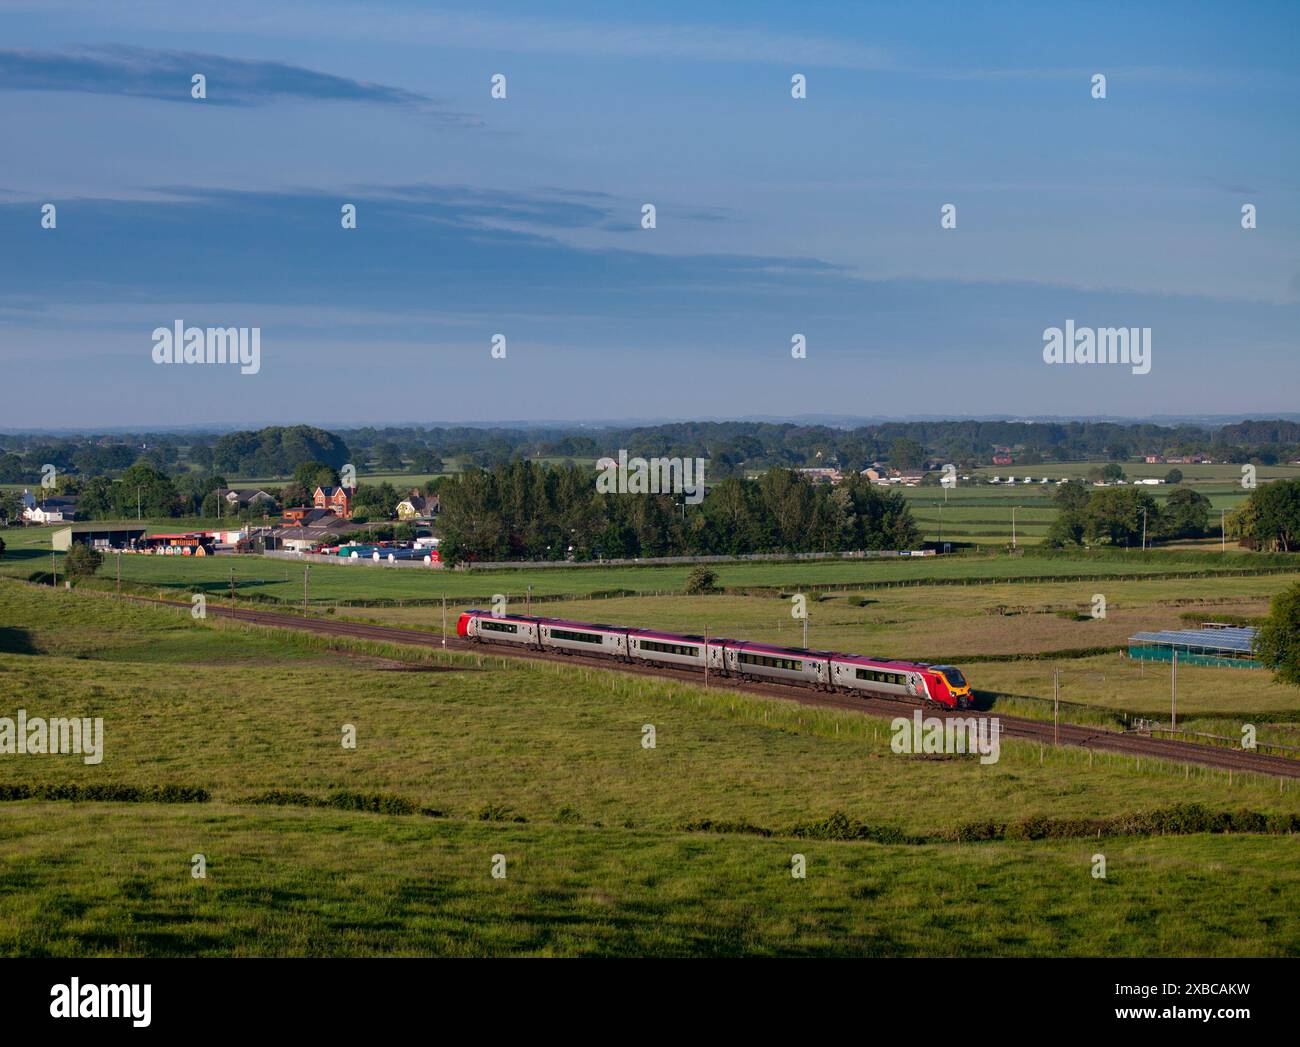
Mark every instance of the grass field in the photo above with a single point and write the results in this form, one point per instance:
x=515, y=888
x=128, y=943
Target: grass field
x=926, y=623
x=981, y=513
x=279, y=579
x=292, y=883
x=599, y=861
x=1009, y=639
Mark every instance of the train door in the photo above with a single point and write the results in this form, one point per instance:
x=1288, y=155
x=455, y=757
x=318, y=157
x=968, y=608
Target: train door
x=716, y=653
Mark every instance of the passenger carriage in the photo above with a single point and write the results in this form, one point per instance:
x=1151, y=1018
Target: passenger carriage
x=582, y=637
x=757, y=661
x=656, y=648
x=485, y=627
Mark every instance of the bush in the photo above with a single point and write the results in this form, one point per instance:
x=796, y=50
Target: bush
x=375, y=803
x=701, y=580
x=497, y=812
x=81, y=561
x=107, y=793
x=839, y=826
x=708, y=825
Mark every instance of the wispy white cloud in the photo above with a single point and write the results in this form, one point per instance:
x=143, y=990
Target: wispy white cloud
x=166, y=76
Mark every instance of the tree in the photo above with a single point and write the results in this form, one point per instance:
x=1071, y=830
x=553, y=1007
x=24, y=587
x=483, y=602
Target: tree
x=1186, y=514
x=701, y=580
x=1241, y=524
x=1112, y=472
x=425, y=461
x=1278, y=522
x=1174, y=476
x=1278, y=642
x=1119, y=515
x=144, y=491
x=906, y=453
x=310, y=475
x=389, y=456
x=82, y=561
x=1071, y=496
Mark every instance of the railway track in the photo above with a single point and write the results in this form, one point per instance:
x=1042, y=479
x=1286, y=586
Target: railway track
x=1136, y=745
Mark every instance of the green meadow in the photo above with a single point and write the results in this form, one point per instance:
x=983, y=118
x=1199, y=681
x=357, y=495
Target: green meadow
x=545, y=765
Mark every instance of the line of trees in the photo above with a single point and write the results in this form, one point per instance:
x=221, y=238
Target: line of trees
x=732, y=448
x=1123, y=515
x=525, y=510
x=1269, y=519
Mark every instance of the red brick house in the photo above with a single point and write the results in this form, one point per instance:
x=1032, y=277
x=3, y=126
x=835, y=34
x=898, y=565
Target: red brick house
x=338, y=499
x=1002, y=458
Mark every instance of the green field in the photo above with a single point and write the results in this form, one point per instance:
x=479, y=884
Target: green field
x=280, y=579
x=981, y=513
x=544, y=764
x=1009, y=638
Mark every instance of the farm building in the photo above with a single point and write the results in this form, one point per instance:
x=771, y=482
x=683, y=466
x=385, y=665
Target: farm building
x=97, y=536
x=190, y=543
x=1216, y=645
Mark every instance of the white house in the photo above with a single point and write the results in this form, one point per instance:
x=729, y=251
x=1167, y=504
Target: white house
x=50, y=511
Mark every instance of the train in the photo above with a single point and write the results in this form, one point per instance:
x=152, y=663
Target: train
x=943, y=685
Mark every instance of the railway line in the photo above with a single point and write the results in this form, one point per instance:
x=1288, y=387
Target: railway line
x=1137, y=745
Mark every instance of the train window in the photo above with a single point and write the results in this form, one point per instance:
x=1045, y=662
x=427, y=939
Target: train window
x=669, y=648
x=566, y=634
x=792, y=664
x=492, y=626
x=876, y=676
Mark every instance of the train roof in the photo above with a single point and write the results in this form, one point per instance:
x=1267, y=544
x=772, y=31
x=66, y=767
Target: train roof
x=801, y=652
x=657, y=635
x=888, y=663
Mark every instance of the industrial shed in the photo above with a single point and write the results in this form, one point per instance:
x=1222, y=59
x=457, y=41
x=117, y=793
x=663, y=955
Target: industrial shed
x=97, y=536
x=1227, y=646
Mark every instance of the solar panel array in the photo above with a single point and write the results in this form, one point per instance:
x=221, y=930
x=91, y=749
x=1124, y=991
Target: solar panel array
x=1231, y=639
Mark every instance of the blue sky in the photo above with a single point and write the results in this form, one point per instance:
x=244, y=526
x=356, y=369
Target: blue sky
x=774, y=216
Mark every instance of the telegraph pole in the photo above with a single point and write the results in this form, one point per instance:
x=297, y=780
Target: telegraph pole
x=1173, y=687
x=1056, y=706
x=706, y=655
x=1223, y=531
x=305, y=569
x=119, y=572
x=444, y=619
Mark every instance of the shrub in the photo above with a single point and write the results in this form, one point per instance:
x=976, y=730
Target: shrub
x=497, y=812
x=701, y=580
x=376, y=803
x=708, y=825
x=839, y=826
x=81, y=561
